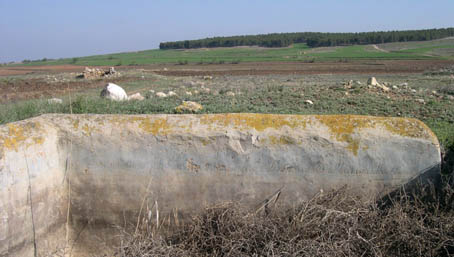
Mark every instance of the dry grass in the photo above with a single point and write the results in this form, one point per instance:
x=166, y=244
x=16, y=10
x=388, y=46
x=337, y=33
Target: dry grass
x=418, y=223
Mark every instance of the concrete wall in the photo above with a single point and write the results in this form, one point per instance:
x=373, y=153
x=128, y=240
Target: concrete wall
x=189, y=161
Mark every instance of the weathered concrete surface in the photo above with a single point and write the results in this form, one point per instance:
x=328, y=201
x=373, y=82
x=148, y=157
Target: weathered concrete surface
x=188, y=161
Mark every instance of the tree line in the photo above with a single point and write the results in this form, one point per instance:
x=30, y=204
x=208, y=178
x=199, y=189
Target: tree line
x=312, y=39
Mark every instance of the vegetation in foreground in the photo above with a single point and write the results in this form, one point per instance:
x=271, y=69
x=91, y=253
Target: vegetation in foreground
x=416, y=223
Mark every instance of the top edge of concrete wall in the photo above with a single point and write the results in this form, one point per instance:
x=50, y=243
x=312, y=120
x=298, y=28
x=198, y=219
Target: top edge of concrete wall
x=342, y=128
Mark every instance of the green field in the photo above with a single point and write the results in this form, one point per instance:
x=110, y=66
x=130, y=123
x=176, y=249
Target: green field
x=437, y=49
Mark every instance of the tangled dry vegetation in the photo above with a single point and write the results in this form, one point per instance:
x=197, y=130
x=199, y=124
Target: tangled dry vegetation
x=417, y=223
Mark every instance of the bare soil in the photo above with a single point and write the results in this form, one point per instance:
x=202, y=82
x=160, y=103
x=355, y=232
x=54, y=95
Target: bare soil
x=38, y=88
x=29, y=88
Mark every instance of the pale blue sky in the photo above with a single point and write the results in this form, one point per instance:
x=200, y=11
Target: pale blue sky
x=36, y=29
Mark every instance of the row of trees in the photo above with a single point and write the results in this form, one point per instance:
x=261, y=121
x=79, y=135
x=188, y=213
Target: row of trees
x=313, y=39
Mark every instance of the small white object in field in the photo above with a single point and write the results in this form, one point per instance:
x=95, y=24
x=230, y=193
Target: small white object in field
x=205, y=90
x=413, y=90
x=171, y=93
x=230, y=93
x=434, y=92
x=450, y=97
x=151, y=91
x=309, y=102
x=384, y=88
x=207, y=77
x=372, y=81
x=136, y=96
x=114, y=92
x=196, y=92
x=161, y=94
x=165, y=69
x=421, y=101
x=395, y=87
x=188, y=93
x=55, y=101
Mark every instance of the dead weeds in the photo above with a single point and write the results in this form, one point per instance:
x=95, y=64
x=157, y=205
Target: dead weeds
x=336, y=223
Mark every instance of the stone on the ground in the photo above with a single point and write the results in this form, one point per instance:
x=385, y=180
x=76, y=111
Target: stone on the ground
x=372, y=81
x=151, y=91
x=161, y=94
x=188, y=106
x=55, y=101
x=171, y=93
x=230, y=93
x=450, y=97
x=114, y=92
x=308, y=102
x=188, y=93
x=207, y=77
x=136, y=96
x=395, y=87
x=420, y=100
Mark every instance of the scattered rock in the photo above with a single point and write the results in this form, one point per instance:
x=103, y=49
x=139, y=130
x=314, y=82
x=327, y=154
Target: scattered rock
x=450, y=97
x=93, y=73
x=205, y=90
x=358, y=82
x=207, y=77
x=188, y=93
x=372, y=81
x=188, y=106
x=230, y=93
x=421, y=101
x=348, y=85
x=161, y=94
x=136, y=96
x=413, y=91
x=55, y=101
x=405, y=84
x=111, y=71
x=434, y=92
x=383, y=87
x=196, y=92
x=395, y=87
x=114, y=92
x=151, y=91
x=171, y=93
x=165, y=69
x=309, y=102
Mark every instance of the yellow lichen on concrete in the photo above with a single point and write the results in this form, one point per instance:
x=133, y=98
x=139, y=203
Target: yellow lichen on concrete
x=342, y=128
x=87, y=129
x=76, y=124
x=158, y=126
x=259, y=122
x=18, y=134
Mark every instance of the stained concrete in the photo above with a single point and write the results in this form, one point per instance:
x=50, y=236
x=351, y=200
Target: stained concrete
x=105, y=163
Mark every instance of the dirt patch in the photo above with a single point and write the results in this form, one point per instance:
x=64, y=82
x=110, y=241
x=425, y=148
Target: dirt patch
x=260, y=68
x=37, y=88
x=285, y=68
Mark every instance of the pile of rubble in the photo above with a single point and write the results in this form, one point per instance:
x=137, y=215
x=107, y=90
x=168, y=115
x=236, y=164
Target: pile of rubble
x=93, y=73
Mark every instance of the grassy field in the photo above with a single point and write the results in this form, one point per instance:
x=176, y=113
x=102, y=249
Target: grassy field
x=283, y=94
x=440, y=49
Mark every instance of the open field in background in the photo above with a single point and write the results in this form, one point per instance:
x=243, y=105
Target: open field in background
x=437, y=49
